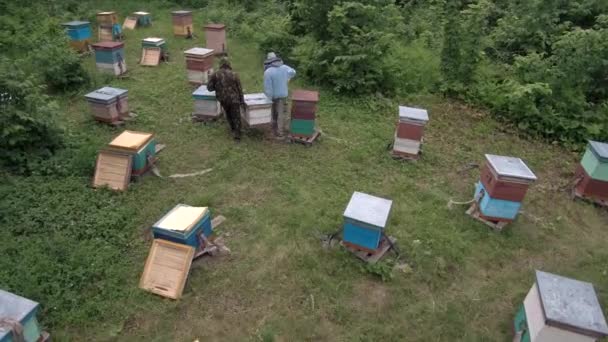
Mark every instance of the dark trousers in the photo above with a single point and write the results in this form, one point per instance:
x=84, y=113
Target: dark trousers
x=233, y=115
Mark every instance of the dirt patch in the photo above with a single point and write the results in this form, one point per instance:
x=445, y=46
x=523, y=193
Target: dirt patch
x=370, y=296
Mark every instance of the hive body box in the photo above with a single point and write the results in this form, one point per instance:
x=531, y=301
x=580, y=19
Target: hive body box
x=80, y=34
x=141, y=146
x=199, y=65
x=503, y=186
x=592, y=173
x=184, y=224
x=365, y=219
x=560, y=309
x=110, y=57
x=215, y=37
x=409, y=132
x=108, y=104
x=108, y=27
x=143, y=18
x=259, y=110
x=206, y=105
x=303, y=112
x=23, y=311
x=182, y=23
x=153, y=51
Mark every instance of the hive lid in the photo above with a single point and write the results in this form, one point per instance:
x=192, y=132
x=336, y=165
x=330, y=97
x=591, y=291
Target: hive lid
x=106, y=13
x=113, y=169
x=107, y=45
x=181, y=12
x=199, y=51
x=257, y=99
x=215, y=26
x=368, y=209
x=305, y=95
x=571, y=304
x=14, y=307
x=105, y=94
x=181, y=218
x=76, y=23
x=202, y=91
x=141, y=13
x=131, y=140
x=411, y=113
x=166, y=269
x=153, y=40
x=600, y=149
x=510, y=167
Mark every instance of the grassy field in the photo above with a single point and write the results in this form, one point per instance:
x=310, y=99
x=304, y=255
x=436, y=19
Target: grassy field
x=81, y=251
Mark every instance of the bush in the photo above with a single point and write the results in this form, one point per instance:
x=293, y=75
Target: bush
x=61, y=68
x=27, y=129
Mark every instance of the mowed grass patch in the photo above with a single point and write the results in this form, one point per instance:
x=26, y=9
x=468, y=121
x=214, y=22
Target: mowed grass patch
x=80, y=251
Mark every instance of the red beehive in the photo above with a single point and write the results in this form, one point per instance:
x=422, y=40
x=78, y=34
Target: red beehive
x=505, y=186
x=215, y=35
x=304, y=104
x=589, y=187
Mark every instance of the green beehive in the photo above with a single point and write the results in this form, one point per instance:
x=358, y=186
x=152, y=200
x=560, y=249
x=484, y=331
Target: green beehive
x=595, y=161
x=303, y=127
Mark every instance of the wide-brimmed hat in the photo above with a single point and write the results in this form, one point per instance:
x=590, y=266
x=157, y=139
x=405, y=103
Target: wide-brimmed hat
x=271, y=57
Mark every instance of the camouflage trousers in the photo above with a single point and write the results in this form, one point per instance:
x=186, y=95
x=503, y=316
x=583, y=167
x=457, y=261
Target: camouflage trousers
x=233, y=116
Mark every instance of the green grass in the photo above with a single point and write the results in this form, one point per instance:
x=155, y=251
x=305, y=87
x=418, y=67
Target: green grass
x=80, y=251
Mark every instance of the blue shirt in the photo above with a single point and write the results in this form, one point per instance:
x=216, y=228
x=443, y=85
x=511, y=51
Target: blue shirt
x=276, y=78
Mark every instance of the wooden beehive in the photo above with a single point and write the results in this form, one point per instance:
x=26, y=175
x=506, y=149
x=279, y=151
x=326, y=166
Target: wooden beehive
x=80, y=34
x=185, y=225
x=182, y=23
x=143, y=18
x=560, y=309
x=258, y=111
x=410, y=131
x=23, y=311
x=199, y=65
x=206, y=105
x=110, y=57
x=166, y=269
x=215, y=37
x=365, y=219
x=140, y=145
x=109, y=104
x=107, y=18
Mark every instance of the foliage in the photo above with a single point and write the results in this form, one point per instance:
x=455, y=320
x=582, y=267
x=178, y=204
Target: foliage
x=62, y=69
x=27, y=127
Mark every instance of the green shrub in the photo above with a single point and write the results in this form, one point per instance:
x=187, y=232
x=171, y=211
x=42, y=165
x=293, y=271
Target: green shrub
x=61, y=68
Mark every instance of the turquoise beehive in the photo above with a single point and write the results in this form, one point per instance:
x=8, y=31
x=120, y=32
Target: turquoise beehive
x=365, y=219
x=22, y=311
x=185, y=225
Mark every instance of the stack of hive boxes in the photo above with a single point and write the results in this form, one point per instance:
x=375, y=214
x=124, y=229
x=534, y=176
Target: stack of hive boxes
x=303, y=113
x=215, y=37
x=109, y=57
x=409, y=133
x=365, y=219
x=153, y=51
x=109, y=105
x=592, y=174
x=108, y=27
x=199, y=65
x=206, y=106
x=185, y=225
x=182, y=23
x=503, y=186
x=258, y=111
x=80, y=34
x=23, y=312
x=560, y=309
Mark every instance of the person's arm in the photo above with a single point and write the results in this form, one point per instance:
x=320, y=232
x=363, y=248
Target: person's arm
x=239, y=88
x=291, y=72
x=212, y=82
x=268, y=89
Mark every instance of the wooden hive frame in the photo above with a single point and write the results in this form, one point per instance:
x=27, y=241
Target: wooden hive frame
x=167, y=268
x=113, y=169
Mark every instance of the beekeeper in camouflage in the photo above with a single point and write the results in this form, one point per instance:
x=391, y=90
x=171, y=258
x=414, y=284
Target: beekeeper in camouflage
x=229, y=93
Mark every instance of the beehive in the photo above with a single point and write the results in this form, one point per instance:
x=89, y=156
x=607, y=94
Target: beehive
x=108, y=104
x=409, y=132
x=80, y=34
x=22, y=310
x=110, y=57
x=206, y=105
x=215, y=37
x=592, y=173
x=199, y=65
x=560, y=309
x=143, y=18
x=258, y=111
x=108, y=28
x=182, y=23
x=365, y=219
x=503, y=186
x=141, y=146
x=303, y=112
x=184, y=225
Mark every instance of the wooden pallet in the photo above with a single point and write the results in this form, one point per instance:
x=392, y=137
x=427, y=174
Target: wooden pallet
x=576, y=195
x=307, y=141
x=385, y=245
x=497, y=226
x=405, y=158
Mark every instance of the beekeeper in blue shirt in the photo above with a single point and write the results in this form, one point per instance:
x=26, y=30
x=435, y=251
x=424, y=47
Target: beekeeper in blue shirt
x=276, y=80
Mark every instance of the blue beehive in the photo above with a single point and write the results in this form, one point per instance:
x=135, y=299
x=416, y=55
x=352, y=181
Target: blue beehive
x=365, y=218
x=184, y=224
x=79, y=33
x=141, y=145
x=22, y=310
x=495, y=208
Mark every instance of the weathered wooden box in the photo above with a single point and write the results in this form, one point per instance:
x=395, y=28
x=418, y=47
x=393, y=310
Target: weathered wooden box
x=110, y=57
x=143, y=18
x=80, y=34
x=182, y=23
x=199, y=65
x=365, y=219
x=258, y=111
x=215, y=37
x=409, y=132
x=184, y=225
x=589, y=187
x=560, y=309
x=595, y=161
x=506, y=178
x=107, y=18
x=21, y=310
x=141, y=146
x=108, y=104
x=205, y=103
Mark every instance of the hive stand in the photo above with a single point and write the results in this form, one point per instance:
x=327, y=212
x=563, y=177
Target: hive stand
x=307, y=141
x=402, y=157
x=371, y=257
x=209, y=245
x=474, y=212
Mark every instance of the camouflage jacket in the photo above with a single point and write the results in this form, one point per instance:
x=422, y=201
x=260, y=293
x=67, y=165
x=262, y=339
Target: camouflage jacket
x=227, y=87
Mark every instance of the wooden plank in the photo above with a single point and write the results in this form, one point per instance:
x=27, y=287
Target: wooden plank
x=113, y=170
x=150, y=56
x=166, y=269
x=130, y=23
x=474, y=213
